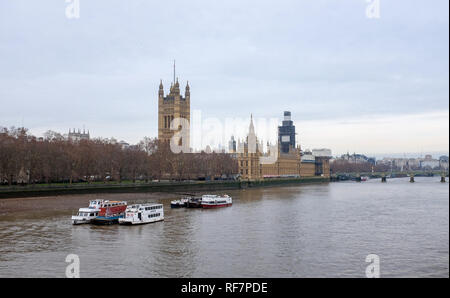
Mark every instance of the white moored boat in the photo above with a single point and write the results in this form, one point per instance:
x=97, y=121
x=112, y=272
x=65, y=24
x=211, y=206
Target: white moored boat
x=86, y=215
x=215, y=201
x=142, y=214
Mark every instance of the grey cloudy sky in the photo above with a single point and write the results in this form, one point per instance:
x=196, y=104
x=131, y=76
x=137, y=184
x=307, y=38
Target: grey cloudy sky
x=352, y=83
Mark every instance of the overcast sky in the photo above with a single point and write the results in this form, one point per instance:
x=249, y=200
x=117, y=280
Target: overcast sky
x=370, y=85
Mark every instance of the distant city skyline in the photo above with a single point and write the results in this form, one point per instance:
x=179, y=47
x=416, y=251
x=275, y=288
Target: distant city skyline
x=372, y=86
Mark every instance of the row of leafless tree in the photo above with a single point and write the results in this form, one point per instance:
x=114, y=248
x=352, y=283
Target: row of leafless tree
x=27, y=159
x=345, y=166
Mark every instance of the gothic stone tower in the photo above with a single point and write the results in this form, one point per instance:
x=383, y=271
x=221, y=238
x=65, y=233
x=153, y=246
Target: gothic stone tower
x=170, y=107
x=249, y=156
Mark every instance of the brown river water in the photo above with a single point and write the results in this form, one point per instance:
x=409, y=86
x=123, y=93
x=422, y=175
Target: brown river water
x=314, y=230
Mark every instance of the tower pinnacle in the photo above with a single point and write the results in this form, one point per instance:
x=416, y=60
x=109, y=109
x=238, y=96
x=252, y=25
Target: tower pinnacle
x=174, y=71
x=161, y=89
x=251, y=128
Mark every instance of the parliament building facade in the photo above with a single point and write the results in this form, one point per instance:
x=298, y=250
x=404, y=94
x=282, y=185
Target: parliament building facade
x=284, y=160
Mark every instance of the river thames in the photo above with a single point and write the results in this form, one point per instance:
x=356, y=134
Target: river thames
x=311, y=230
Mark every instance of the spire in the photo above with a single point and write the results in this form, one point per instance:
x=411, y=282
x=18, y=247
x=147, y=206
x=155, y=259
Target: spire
x=174, y=71
x=161, y=89
x=251, y=138
x=187, y=93
x=251, y=128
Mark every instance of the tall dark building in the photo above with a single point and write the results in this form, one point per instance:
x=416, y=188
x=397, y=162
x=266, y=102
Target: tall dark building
x=286, y=133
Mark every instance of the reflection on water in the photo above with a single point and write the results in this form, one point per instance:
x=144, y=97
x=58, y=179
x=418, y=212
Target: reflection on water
x=299, y=231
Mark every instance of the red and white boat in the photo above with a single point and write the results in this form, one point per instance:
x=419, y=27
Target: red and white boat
x=110, y=212
x=215, y=201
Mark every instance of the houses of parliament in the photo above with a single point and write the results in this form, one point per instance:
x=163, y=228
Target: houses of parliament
x=289, y=160
x=285, y=159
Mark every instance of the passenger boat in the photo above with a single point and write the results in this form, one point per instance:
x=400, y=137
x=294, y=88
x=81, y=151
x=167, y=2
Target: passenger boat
x=175, y=204
x=179, y=203
x=215, y=201
x=142, y=214
x=110, y=212
x=194, y=202
x=86, y=215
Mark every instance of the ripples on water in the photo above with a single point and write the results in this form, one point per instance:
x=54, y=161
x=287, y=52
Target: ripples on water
x=317, y=230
